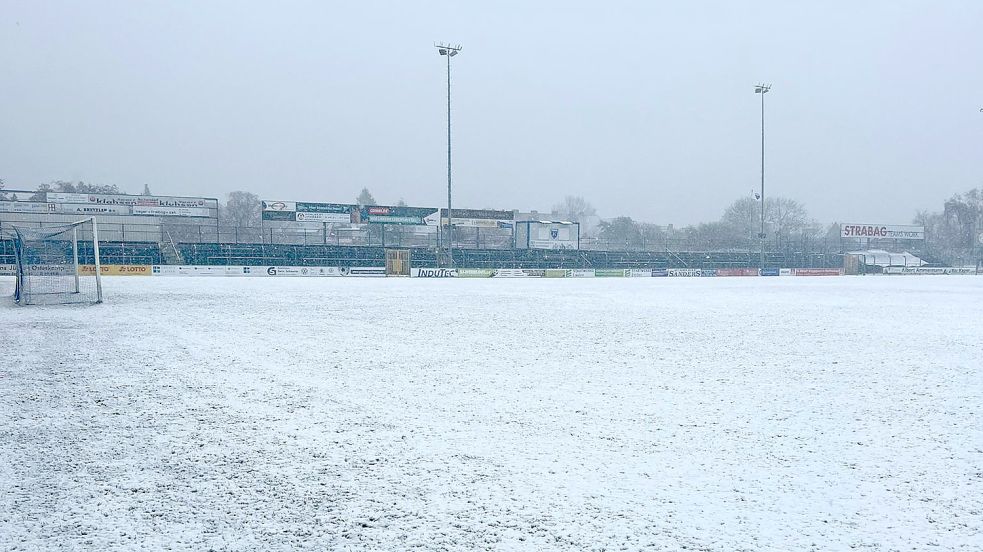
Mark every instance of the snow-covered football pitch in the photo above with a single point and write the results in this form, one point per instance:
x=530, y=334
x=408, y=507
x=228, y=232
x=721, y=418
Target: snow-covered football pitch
x=389, y=414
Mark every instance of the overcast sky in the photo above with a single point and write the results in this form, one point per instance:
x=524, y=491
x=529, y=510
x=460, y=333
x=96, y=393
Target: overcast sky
x=646, y=109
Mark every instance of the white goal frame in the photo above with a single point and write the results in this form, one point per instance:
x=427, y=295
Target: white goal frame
x=22, y=290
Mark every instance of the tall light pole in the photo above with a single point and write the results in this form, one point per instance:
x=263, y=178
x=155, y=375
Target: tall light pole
x=762, y=89
x=449, y=51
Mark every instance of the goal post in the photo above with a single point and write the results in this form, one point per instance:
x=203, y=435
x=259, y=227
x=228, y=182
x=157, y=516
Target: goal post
x=58, y=264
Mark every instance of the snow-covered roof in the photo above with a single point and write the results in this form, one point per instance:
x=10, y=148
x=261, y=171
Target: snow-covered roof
x=880, y=257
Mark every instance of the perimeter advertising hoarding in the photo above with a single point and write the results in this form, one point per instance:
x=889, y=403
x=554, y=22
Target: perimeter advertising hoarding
x=265, y=271
x=101, y=209
x=305, y=211
x=130, y=200
x=345, y=213
x=930, y=270
x=882, y=231
x=324, y=212
x=387, y=214
x=434, y=272
x=26, y=207
x=816, y=271
x=480, y=218
x=116, y=270
x=475, y=272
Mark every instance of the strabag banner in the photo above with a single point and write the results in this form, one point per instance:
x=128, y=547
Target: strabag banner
x=882, y=231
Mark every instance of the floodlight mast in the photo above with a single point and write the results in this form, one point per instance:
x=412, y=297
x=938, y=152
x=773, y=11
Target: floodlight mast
x=449, y=51
x=762, y=89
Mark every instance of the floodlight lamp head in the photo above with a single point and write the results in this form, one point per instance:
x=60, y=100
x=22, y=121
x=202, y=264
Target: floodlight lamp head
x=762, y=88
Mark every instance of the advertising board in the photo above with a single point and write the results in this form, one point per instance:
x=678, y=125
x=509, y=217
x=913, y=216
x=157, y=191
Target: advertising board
x=882, y=231
x=386, y=214
x=930, y=271
x=475, y=272
x=480, y=218
x=306, y=211
x=737, y=272
x=817, y=271
x=26, y=207
x=116, y=270
x=433, y=272
x=685, y=272
x=131, y=200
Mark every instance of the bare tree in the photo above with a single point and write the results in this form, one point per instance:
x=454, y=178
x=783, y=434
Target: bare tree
x=67, y=186
x=241, y=210
x=365, y=198
x=784, y=219
x=39, y=194
x=574, y=208
x=742, y=217
x=620, y=232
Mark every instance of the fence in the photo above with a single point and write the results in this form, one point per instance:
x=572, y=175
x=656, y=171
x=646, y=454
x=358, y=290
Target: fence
x=430, y=237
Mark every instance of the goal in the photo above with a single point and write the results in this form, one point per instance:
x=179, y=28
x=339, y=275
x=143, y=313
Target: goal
x=58, y=264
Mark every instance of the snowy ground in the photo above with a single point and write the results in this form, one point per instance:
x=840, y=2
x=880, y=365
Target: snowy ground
x=616, y=414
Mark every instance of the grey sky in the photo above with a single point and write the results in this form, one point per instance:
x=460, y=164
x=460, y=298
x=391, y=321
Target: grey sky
x=647, y=109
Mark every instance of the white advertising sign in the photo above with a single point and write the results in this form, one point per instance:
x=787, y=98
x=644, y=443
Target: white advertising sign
x=161, y=211
x=59, y=197
x=926, y=270
x=580, y=273
x=120, y=199
x=8, y=269
x=882, y=231
x=303, y=271
x=685, y=272
x=26, y=207
x=433, y=272
x=82, y=209
x=342, y=218
x=279, y=205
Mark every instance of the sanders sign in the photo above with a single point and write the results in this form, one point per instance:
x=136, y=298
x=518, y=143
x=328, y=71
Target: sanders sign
x=882, y=231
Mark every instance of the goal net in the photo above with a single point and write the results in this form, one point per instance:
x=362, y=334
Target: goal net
x=58, y=264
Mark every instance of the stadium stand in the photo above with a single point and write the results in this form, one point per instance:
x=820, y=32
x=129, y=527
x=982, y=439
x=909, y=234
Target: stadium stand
x=224, y=254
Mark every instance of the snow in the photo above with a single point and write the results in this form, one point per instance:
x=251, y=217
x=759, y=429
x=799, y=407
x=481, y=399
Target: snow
x=603, y=414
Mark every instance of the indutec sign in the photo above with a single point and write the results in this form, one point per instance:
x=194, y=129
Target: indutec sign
x=882, y=231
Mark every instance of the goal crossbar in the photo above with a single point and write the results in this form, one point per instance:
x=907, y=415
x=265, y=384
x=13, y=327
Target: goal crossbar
x=48, y=266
